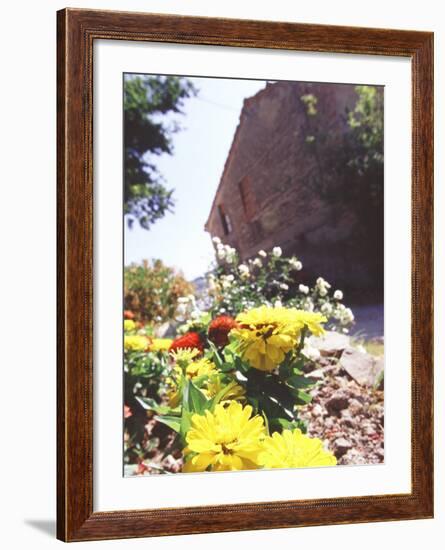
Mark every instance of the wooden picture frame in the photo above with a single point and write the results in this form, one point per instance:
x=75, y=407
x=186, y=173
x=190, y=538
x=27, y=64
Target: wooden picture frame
x=77, y=31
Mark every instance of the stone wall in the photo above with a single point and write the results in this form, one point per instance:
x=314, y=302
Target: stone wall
x=264, y=188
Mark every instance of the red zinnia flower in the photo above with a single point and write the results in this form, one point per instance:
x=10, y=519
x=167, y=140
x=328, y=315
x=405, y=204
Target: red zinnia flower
x=190, y=340
x=219, y=330
x=128, y=314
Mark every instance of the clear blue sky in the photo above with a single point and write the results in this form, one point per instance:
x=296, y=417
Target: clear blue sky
x=193, y=171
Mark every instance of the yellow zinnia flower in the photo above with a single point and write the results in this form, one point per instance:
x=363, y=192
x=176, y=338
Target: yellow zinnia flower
x=266, y=334
x=293, y=449
x=160, y=344
x=129, y=325
x=199, y=368
x=227, y=439
x=135, y=342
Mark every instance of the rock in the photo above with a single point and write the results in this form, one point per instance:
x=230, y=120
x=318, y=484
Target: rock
x=347, y=418
x=362, y=367
x=341, y=446
x=330, y=344
x=320, y=373
x=369, y=430
x=328, y=423
x=317, y=410
x=337, y=403
x=355, y=407
x=317, y=374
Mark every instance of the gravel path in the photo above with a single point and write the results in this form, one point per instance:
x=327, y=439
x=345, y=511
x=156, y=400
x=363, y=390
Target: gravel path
x=349, y=418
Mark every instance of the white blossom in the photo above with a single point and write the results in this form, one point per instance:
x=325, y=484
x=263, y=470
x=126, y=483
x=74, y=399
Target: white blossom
x=278, y=303
x=284, y=286
x=230, y=254
x=326, y=308
x=348, y=315
x=277, y=251
x=322, y=283
x=216, y=240
x=262, y=253
x=226, y=282
x=338, y=295
x=296, y=264
x=257, y=262
x=303, y=288
x=244, y=271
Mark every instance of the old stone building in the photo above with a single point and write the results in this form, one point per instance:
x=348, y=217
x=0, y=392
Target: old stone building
x=263, y=198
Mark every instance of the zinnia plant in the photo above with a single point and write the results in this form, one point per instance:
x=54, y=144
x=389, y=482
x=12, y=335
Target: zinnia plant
x=229, y=391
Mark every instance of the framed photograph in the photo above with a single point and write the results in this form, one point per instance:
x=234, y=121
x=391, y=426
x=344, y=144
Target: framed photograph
x=245, y=229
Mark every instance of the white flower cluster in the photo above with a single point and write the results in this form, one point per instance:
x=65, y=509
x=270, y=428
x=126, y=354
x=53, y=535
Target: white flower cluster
x=187, y=308
x=295, y=264
x=338, y=295
x=268, y=279
x=308, y=304
x=343, y=314
x=322, y=286
x=244, y=271
x=227, y=281
x=224, y=251
x=326, y=309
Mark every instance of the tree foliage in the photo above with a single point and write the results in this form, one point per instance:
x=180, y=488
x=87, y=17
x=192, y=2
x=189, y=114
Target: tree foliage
x=348, y=166
x=149, y=102
x=348, y=162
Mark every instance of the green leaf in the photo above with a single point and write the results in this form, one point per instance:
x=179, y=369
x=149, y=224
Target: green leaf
x=172, y=422
x=216, y=356
x=186, y=422
x=283, y=424
x=196, y=400
x=150, y=404
x=285, y=370
x=302, y=397
x=300, y=382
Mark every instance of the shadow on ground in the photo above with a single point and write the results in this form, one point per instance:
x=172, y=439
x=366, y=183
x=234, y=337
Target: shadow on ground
x=47, y=526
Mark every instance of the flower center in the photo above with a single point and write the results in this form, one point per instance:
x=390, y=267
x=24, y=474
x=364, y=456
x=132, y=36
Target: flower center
x=226, y=450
